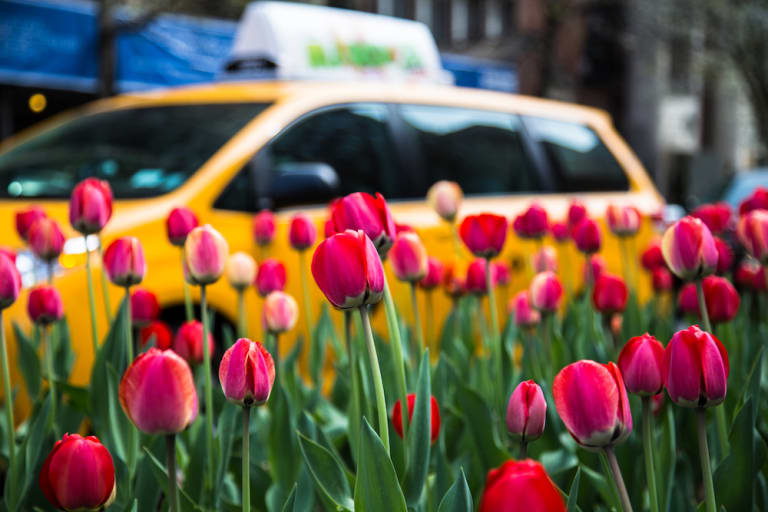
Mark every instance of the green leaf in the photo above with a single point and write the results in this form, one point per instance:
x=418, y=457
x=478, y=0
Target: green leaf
x=573, y=492
x=458, y=498
x=477, y=419
x=227, y=427
x=376, y=488
x=29, y=363
x=317, y=347
x=328, y=475
x=161, y=475
x=290, y=502
x=419, y=432
x=282, y=450
x=64, y=358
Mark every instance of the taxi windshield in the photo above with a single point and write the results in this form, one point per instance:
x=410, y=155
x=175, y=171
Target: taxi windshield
x=141, y=152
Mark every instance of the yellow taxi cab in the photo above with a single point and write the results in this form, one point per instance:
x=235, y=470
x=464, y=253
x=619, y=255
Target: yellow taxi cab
x=229, y=149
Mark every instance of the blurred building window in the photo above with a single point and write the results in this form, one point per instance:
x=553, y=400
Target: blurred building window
x=477, y=10
x=481, y=150
x=494, y=19
x=578, y=158
x=459, y=20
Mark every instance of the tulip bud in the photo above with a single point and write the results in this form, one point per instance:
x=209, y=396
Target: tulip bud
x=688, y=300
x=361, y=211
x=270, y=277
x=264, y=228
x=500, y=270
x=453, y=284
x=45, y=239
x=409, y=257
x=623, y=220
x=484, y=234
x=592, y=402
x=158, y=330
x=746, y=272
x=348, y=270
x=546, y=292
x=652, y=257
x=124, y=261
x=188, y=342
x=697, y=368
x=397, y=416
x=90, y=206
x=586, y=235
x=144, y=306
x=205, y=254
x=157, y=393
x=757, y=201
x=247, y=373
x=179, y=223
x=724, y=256
x=10, y=282
x=44, y=305
x=79, y=474
x=445, y=198
x=759, y=283
x=610, y=294
x=25, y=218
x=241, y=270
x=280, y=312
x=434, y=274
x=753, y=234
x=560, y=231
x=661, y=279
x=721, y=298
x=532, y=223
x=475, y=281
x=525, y=315
x=520, y=486
x=303, y=232
x=689, y=249
x=717, y=216
x=545, y=260
x=594, y=267
x=526, y=412
x=642, y=365
x=576, y=213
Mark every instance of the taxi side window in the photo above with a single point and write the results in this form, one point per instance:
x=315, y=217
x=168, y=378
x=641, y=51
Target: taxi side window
x=579, y=160
x=481, y=150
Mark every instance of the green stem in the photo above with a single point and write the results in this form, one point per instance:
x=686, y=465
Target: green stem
x=91, y=300
x=104, y=289
x=625, y=261
x=208, y=392
x=495, y=336
x=188, y=307
x=305, y=294
x=9, y=423
x=626, y=505
x=417, y=320
x=47, y=342
x=378, y=385
x=246, y=459
x=650, y=471
x=703, y=306
x=242, y=322
x=431, y=335
x=397, y=355
x=128, y=326
x=523, y=450
x=173, y=487
x=706, y=468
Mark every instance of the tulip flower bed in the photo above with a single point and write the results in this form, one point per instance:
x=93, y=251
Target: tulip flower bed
x=571, y=397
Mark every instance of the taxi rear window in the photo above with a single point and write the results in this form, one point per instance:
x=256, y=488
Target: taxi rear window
x=141, y=152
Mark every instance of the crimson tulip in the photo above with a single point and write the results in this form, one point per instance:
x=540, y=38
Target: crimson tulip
x=124, y=261
x=560, y=231
x=264, y=227
x=689, y=249
x=532, y=223
x=717, y=216
x=409, y=257
x=44, y=305
x=500, y=271
x=610, y=294
x=721, y=298
x=526, y=412
x=161, y=332
x=270, y=277
x=241, y=270
x=397, y=416
x=576, y=213
x=623, y=220
x=642, y=365
x=434, y=274
x=45, y=239
x=188, y=342
x=484, y=234
x=445, y=198
x=144, y=306
x=661, y=280
x=25, y=218
x=746, y=273
x=688, y=300
x=757, y=201
x=247, y=373
x=302, y=233
x=280, y=312
x=362, y=211
x=524, y=314
x=475, y=282
x=697, y=368
x=652, y=256
x=90, y=206
x=10, y=282
x=179, y=223
x=546, y=292
x=520, y=486
x=205, y=255
x=753, y=234
x=586, y=235
x=724, y=256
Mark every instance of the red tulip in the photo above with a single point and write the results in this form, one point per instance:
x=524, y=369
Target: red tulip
x=348, y=270
x=592, y=402
x=746, y=273
x=721, y=298
x=652, y=256
x=586, y=235
x=361, y=211
x=753, y=234
x=434, y=274
x=90, y=206
x=532, y=223
x=593, y=268
x=520, y=486
x=623, y=220
x=560, y=231
x=241, y=270
x=445, y=198
x=264, y=227
x=576, y=213
x=520, y=306
x=500, y=271
x=689, y=249
x=546, y=292
x=642, y=365
x=475, y=282
x=247, y=373
x=403, y=228
x=44, y=305
x=45, y=239
x=526, y=411
x=10, y=282
x=188, y=342
x=25, y=218
x=716, y=216
x=610, y=294
x=661, y=279
x=484, y=234
x=759, y=282
x=687, y=300
x=205, y=254
x=280, y=312
x=302, y=233
x=697, y=368
x=397, y=416
x=161, y=332
x=757, y=201
x=724, y=256
x=124, y=261
x=144, y=306
x=409, y=257
x=453, y=284
x=270, y=277
x=545, y=259
x=78, y=474
x=179, y=223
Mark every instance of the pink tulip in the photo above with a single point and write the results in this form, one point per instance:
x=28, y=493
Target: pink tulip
x=721, y=298
x=716, y=216
x=157, y=393
x=592, y=402
x=652, y=256
x=688, y=300
x=527, y=411
x=689, y=249
x=560, y=231
x=445, y=198
x=188, y=343
x=25, y=218
x=44, y=305
x=8, y=253
x=753, y=234
x=205, y=253
x=270, y=277
x=247, y=373
x=697, y=368
x=409, y=257
x=546, y=292
x=520, y=306
x=362, y=211
x=303, y=232
x=545, y=260
x=280, y=312
x=124, y=261
x=757, y=201
x=264, y=228
x=90, y=206
x=724, y=256
x=475, y=282
x=532, y=223
x=623, y=220
x=348, y=270
x=179, y=223
x=241, y=270
x=45, y=239
x=145, y=307
x=610, y=294
x=434, y=274
x=484, y=234
x=642, y=365
x=500, y=271
x=576, y=213
x=586, y=235
x=661, y=280
x=594, y=267
x=10, y=282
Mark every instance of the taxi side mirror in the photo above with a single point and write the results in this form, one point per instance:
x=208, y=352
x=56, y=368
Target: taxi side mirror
x=303, y=183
